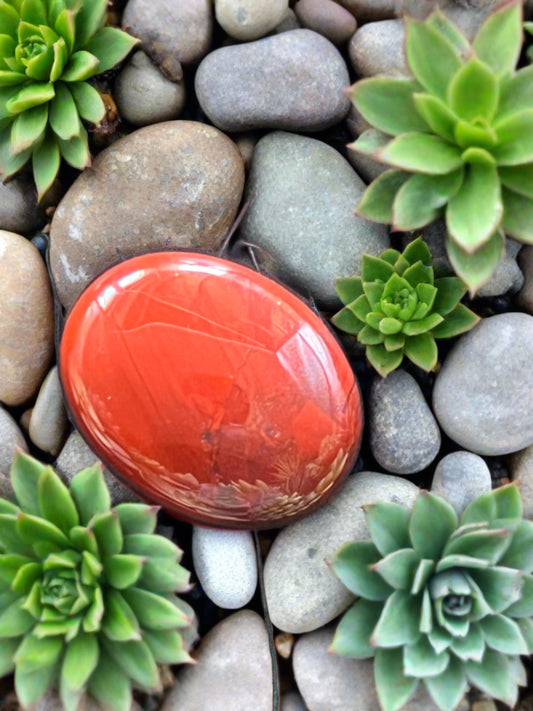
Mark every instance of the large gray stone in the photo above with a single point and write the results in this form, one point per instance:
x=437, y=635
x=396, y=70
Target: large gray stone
x=170, y=185
x=292, y=81
x=378, y=48
x=173, y=32
x=26, y=319
x=302, y=194
x=404, y=436
x=234, y=671
x=482, y=395
x=302, y=592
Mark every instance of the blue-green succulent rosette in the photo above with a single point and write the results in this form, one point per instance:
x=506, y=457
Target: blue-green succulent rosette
x=446, y=602
x=48, y=51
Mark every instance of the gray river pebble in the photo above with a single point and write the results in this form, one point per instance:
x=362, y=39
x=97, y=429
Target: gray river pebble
x=320, y=240
x=234, y=671
x=292, y=81
x=460, y=477
x=482, y=395
x=378, y=48
x=327, y=18
x=144, y=95
x=404, y=436
x=49, y=421
x=19, y=211
x=247, y=20
x=11, y=438
x=225, y=564
x=302, y=592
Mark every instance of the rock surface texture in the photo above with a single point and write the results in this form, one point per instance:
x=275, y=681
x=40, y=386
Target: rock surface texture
x=482, y=395
x=290, y=81
x=184, y=182
x=26, y=319
x=320, y=240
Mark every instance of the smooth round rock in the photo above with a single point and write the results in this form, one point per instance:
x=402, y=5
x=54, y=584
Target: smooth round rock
x=404, y=436
x=225, y=564
x=521, y=470
x=75, y=455
x=371, y=10
x=321, y=240
x=301, y=91
x=247, y=20
x=482, y=395
x=378, y=48
x=302, y=592
x=19, y=211
x=234, y=670
x=11, y=439
x=460, y=477
x=173, y=32
x=289, y=22
x=210, y=390
x=144, y=95
x=167, y=186
x=49, y=421
x=327, y=18
x=507, y=277
x=26, y=319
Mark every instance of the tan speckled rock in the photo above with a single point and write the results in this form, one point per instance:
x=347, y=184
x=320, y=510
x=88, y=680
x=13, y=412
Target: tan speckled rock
x=26, y=319
x=171, y=185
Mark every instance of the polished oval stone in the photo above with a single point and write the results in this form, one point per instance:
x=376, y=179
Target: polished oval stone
x=210, y=389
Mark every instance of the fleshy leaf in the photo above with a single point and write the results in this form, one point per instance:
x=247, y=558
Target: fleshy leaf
x=79, y=662
x=476, y=268
x=519, y=554
x=388, y=524
x=489, y=545
x=460, y=320
x=399, y=621
x=347, y=321
x=136, y=660
x=122, y=571
x=33, y=529
x=518, y=178
x=473, y=93
x=45, y=162
x=503, y=635
x=28, y=127
x=382, y=360
x=90, y=493
x=501, y=586
x=516, y=93
x=393, y=687
x=64, y=119
x=523, y=607
x=110, y=45
x=30, y=96
x=352, y=636
x=493, y=676
x=515, y=141
x=398, y=568
x=517, y=216
x=137, y=518
x=81, y=66
x=475, y=211
x=448, y=688
x=499, y=40
x=88, y=102
x=119, y=622
x=106, y=527
x=432, y=522
x=89, y=19
x=25, y=473
x=471, y=646
x=431, y=57
x=438, y=116
x=150, y=546
x=422, y=153
x=110, y=685
x=352, y=565
x=422, y=351
x=503, y=502
x=419, y=200
x=167, y=646
x=55, y=501
x=421, y=660
x=31, y=686
x=153, y=611
x=76, y=150
x=377, y=201
x=387, y=104
x=369, y=142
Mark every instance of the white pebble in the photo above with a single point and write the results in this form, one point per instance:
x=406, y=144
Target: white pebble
x=226, y=566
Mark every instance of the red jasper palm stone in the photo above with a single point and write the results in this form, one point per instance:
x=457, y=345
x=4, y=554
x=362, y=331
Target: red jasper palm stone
x=210, y=389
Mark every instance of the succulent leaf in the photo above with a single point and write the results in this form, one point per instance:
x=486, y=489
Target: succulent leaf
x=74, y=600
x=454, y=613
x=48, y=51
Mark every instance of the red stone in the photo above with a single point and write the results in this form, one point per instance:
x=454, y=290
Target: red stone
x=210, y=389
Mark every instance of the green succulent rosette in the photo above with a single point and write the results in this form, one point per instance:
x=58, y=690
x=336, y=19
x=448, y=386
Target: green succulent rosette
x=48, y=51
x=443, y=601
x=397, y=307
x=458, y=137
x=88, y=601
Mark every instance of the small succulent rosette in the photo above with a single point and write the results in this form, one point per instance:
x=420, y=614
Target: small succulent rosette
x=88, y=601
x=458, y=137
x=397, y=307
x=443, y=601
x=48, y=51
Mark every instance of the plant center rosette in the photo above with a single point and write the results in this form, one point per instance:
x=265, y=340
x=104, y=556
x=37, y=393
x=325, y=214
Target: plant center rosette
x=442, y=601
